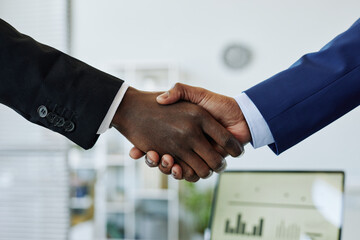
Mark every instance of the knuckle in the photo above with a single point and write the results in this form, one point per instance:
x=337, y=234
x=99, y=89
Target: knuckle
x=228, y=140
x=178, y=85
x=202, y=113
x=220, y=150
x=189, y=127
x=190, y=131
x=185, y=133
x=196, y=111
x=212, y=157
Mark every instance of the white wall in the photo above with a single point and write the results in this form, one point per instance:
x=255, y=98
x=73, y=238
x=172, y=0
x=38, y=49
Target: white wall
x=45, y=21
x=194, y=33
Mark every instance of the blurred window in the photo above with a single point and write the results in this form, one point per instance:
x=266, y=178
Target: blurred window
x=34, y=192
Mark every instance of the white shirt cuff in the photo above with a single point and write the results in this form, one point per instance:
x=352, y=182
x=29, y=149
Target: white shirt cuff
x=259, y=129
x=105, y=125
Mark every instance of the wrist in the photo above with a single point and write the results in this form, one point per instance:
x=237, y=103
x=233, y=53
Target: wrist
x=243, y=133
x=125, y=109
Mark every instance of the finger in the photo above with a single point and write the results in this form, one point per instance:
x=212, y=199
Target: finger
x=222, y=137
x=220, y=150
x=181, y=92
x=197, y=164
x=166, y=163
x=213, y=159
x=136, y=153
x=176, y=172
x=217, y=148
x=187, y=172
x=152, y=159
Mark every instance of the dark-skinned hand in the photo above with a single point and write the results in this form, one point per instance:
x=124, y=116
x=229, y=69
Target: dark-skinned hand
x=224, y=109
x=182, y=130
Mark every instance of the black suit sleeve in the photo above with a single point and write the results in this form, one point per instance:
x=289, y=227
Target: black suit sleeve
x=52, y=89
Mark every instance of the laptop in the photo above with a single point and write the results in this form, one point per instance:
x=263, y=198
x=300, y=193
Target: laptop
x=278, y=205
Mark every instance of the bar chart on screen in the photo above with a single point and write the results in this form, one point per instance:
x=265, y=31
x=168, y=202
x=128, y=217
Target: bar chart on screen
x=241, y=228
x=290, y=232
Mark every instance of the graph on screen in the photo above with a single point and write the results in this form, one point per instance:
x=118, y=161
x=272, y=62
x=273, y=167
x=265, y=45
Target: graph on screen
x=289, y=232
x=240, y=227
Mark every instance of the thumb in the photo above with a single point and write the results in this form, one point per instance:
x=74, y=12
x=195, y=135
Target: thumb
x=180, y=92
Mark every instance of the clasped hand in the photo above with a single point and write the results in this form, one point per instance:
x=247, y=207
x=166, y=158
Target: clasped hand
x=189, y=139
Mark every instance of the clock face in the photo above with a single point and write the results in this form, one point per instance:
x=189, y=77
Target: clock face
x=236, y=56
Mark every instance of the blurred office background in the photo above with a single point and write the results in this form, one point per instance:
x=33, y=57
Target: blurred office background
x=51, y=189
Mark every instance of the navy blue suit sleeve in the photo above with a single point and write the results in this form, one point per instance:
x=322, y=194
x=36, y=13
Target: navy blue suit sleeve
x=315, y=91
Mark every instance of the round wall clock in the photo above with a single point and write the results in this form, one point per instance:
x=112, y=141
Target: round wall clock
x=236, y=56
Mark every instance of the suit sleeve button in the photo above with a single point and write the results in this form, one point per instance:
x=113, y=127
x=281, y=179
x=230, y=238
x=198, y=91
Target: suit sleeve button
x=69, y=126
x=59, y=121
x=42, y=111
x=51, y=117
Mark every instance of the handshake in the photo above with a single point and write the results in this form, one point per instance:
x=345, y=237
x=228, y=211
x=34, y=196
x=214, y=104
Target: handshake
x=186, y=131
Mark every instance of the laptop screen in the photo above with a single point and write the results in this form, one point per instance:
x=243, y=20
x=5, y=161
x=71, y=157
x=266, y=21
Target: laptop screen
x=278, y=205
